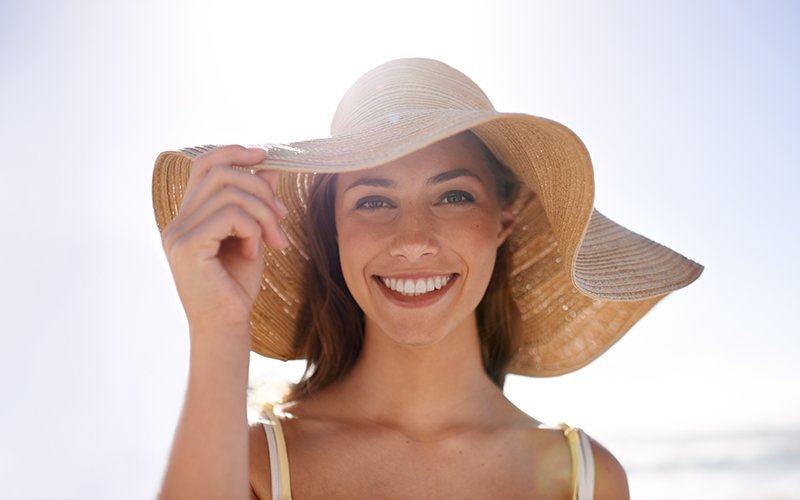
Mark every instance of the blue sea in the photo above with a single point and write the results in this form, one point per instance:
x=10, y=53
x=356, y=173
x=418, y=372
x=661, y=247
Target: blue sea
x=725, y=466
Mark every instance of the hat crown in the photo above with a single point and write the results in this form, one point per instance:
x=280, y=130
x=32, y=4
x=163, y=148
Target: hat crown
x=406, y=85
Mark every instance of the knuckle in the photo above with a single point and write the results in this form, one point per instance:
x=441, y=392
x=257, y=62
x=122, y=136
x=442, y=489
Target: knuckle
x=168, y=235
x=202, y=161
x=230, y=192
x=232, y=212
x=221, y=154
x=218, y=170
x=178, y=248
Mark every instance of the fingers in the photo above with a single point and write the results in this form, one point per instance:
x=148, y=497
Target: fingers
x=225, y=155
x=220, y=177
x=271, y=177
x=214, y=271
x=214, y=185
x=229, y=197
x=201, y=241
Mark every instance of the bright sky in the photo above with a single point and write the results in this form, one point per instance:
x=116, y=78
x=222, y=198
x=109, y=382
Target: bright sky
x=689, y=109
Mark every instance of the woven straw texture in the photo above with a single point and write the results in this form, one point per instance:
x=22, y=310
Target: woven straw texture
x=580, y=280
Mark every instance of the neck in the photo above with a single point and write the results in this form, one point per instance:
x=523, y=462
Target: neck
x=424, y=391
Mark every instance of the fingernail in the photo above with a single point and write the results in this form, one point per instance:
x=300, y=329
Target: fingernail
x=281, y=206
x=284, y=238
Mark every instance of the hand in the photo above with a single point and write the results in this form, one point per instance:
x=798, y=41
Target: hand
x=216, y=242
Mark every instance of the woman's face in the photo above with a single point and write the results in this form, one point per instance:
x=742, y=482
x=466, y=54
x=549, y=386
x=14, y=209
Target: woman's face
x=431, y=220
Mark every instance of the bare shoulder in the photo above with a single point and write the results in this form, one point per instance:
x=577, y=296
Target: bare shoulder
x=260, y=478
x=544, y=463
x=611, y=482
x=550, y=451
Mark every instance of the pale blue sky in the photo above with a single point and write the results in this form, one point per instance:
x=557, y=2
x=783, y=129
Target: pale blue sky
x=689, y=109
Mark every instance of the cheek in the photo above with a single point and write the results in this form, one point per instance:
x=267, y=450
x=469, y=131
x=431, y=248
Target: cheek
x=480, y=241
x=355, y=249
x=479, y=236
x=349, y=254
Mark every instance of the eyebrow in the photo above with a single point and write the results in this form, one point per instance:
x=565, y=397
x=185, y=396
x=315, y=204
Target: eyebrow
x=452, y=174
x=373, y=182
x=436, y=179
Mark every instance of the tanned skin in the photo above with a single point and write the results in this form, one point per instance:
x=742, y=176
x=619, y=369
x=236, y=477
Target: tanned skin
x=417, y=416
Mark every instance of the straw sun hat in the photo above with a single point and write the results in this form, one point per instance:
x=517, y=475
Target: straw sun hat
x=580, y=280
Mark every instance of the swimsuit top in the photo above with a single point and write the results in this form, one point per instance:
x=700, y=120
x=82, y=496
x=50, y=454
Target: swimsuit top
x=579, y=447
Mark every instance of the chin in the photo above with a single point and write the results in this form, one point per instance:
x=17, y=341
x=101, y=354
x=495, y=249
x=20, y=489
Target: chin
x=414, y=338
x=409, y=333
x=420, y=330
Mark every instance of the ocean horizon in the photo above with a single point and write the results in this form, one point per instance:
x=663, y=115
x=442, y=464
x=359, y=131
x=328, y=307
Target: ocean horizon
x=749, y=465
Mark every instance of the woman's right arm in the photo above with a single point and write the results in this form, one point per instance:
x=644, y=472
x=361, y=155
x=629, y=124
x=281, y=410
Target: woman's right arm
x=218, y=278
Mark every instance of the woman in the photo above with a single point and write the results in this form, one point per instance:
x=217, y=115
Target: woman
x=444, y=245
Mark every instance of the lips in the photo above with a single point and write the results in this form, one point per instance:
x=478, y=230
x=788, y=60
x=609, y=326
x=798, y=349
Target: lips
x=411, y=287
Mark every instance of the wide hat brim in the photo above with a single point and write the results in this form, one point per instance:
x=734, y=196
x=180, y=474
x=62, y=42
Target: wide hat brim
x=580, y=280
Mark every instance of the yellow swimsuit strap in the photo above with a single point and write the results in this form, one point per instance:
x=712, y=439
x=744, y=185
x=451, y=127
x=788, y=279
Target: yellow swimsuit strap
x=580, y=449
x=278, y=458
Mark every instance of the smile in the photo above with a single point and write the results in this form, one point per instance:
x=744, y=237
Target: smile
x=413, y=287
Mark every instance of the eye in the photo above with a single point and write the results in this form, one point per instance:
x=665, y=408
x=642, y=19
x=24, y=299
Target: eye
x=457, y=198
x=370, y=204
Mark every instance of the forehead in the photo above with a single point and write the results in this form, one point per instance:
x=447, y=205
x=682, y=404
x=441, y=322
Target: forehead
x=460, y=152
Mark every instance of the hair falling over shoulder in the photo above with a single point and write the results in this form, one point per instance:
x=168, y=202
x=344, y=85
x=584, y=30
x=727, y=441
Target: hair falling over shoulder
x=331, y=330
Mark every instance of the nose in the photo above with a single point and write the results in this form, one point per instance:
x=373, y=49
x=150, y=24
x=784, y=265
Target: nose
x=415, y=236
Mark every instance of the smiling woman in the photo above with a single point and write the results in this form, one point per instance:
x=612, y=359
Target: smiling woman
x=433, y=220
x=426, y=249
x=423, y=222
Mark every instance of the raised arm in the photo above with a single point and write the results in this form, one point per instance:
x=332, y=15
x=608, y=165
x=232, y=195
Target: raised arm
x=218, y=277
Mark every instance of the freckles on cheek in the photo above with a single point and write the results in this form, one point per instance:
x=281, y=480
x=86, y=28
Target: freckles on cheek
x=354, y=250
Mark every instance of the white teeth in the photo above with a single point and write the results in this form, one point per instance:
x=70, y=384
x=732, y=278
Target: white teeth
x=421, y=286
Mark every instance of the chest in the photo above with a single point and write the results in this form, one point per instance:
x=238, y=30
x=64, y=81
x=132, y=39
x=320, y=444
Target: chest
x=381, y=464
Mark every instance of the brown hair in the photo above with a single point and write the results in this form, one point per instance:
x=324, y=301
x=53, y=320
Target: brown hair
x=331, y=328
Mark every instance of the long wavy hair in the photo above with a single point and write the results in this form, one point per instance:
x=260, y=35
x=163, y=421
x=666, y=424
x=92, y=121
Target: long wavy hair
x=331, y=328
